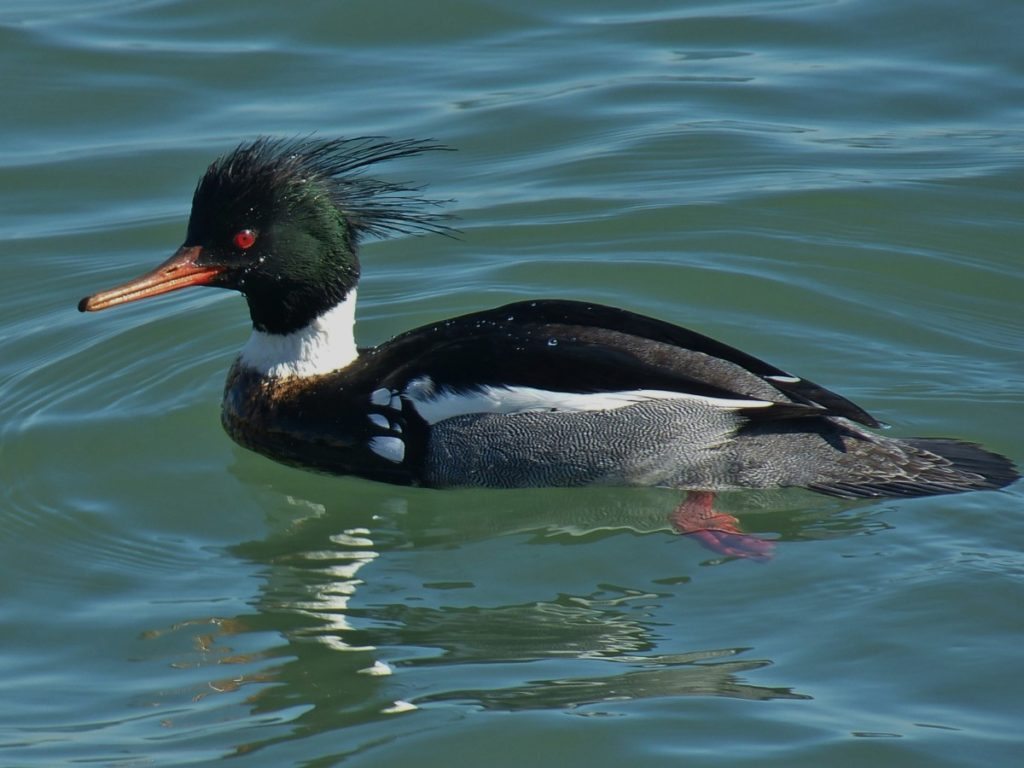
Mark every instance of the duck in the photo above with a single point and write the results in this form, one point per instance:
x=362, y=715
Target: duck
x=539, y=393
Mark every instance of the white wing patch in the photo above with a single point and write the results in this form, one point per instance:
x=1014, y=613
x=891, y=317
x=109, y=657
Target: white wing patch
x=390, y=448
x=436, y=404
x=784, y=379
x=379, y=420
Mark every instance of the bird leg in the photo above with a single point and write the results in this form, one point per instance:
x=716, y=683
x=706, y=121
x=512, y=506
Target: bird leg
x=718, y=531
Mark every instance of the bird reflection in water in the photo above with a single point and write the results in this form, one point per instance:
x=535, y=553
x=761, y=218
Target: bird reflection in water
x=387, y=602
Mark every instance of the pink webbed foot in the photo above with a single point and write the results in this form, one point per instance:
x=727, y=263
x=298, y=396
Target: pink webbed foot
x=717, y=531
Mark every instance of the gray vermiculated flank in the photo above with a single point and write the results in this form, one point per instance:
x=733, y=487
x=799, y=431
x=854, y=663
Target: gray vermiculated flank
x=686, y=444
x=651, y=443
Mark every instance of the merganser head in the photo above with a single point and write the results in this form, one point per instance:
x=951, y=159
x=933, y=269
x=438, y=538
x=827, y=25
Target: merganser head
x=280, y=220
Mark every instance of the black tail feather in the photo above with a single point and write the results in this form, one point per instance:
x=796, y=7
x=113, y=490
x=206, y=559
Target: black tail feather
x=940, y=465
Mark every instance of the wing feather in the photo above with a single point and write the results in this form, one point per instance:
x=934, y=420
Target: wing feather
x=575, y=347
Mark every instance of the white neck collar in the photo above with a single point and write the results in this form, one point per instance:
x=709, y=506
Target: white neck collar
x=326, y=344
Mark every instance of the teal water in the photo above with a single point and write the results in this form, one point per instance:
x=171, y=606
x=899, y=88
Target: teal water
x=836, y=187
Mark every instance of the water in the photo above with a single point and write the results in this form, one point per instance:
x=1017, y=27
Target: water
x=835, y=187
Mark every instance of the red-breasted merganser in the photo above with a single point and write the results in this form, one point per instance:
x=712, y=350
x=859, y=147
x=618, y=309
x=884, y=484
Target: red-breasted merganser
x=536, y=393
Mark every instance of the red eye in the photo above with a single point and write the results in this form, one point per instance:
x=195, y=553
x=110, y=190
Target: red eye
x=244, y=239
